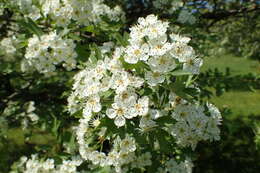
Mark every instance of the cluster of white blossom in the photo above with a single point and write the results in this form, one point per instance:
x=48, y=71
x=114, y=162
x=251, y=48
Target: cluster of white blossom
x=49, y=50
x=8, y=48
x=37, y=165
x=186, y=16
x=122, y=155
x=111, y=89
x=25, y=113
x=149, y=43
x=29, y=114
x=169, y=5
x=173, y=166
x=193, y=125
x=82, y=11
x=28, y=8
x=62, y=12
x=108, y=76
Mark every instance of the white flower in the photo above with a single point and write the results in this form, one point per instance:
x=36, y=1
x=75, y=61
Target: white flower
x=119, y=113
x=128, y=144
x=134, y=53
x=180, y=39
x=125, y=158
x=100, y=70
x=162, y=64
x=182, y=51
x=180, y=130
x=159, y=46
x=127, y=97
x=136, y=35
x=113, y=65
x=92, y=88
x=119, y=82
x=97, y=157
x=136, y=82
x=155, y=27
x=112, y=158
x=141, y=107
x=183, y=112
x=192, y=65
x=92, y=105
x=154, y=78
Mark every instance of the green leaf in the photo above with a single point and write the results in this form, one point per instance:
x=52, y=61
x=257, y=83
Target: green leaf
x=74, y=36
x=56, y=125
x=106, y=94
x=165, y=144
x=31, y=26
x=82, y=51
x=180, y=73
x=90, y=28
x=122, y=40
x=95, y=54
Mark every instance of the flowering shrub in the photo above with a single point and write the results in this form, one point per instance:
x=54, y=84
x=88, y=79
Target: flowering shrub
x=45, y=52
x=128, y=99
x=133, y=104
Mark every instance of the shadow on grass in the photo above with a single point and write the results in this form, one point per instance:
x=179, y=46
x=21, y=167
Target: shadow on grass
x=235, y=152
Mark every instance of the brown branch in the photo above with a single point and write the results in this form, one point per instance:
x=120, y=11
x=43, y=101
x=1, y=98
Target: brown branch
x=215, y=15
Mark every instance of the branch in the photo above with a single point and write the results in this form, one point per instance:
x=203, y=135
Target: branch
x=215, y=15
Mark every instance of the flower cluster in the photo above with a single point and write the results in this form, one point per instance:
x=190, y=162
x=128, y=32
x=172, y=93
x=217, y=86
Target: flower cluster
x=81, y=11
x=25, y=112
x=122, y=156
x=93, y=84
x=7, y=48
x=186, y=16
x=131, y=90
x=173, y=166
x=192, y=123
x=63, y=12
x=167, y=5
x=49, y=50
x=36, y=165
x=149, y=43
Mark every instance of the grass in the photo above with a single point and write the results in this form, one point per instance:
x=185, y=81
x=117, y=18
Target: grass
x=240, y=102
x=237, y=65
x=18, y=137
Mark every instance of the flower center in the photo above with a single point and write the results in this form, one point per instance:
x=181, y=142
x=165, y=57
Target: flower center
x=96, y=123
x=156, y=74
x=137, y=52
x=120, y=111
x=162, y=61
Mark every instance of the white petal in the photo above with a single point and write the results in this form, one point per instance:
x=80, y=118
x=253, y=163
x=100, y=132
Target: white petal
x=86, y=111
x=119, y=121
x=111, y=113
x=97, y=108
